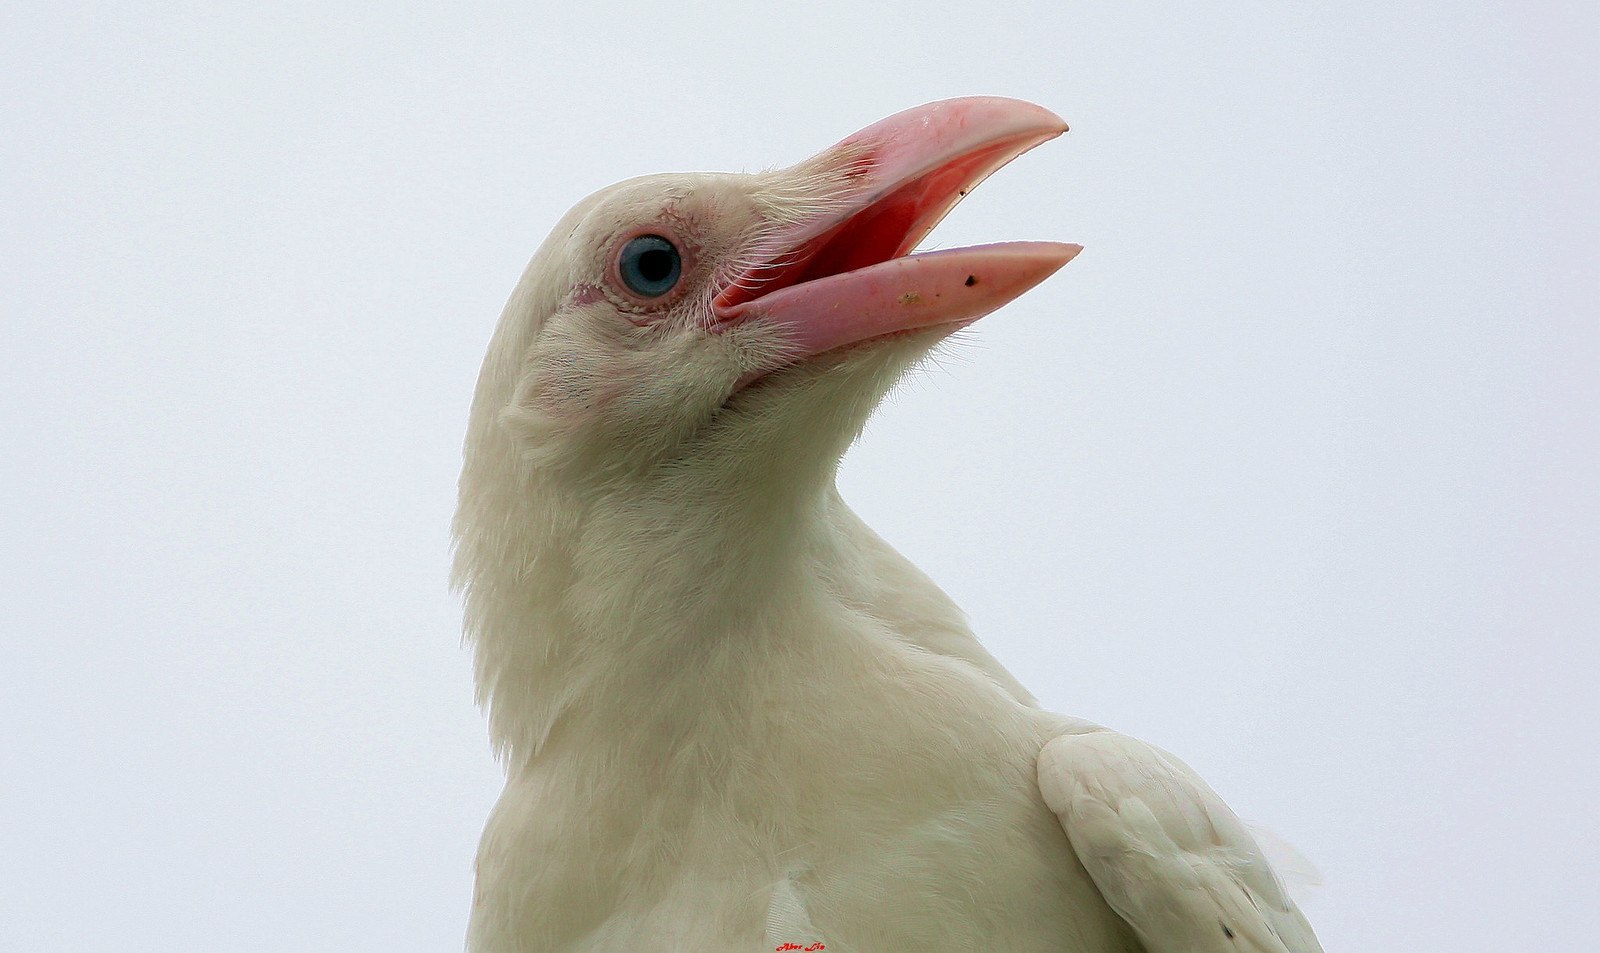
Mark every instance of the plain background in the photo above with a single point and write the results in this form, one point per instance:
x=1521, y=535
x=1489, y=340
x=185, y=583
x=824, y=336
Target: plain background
x=1291, y=472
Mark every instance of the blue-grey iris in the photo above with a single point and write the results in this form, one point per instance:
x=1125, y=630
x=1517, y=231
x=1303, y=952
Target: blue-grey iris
x=650, y=266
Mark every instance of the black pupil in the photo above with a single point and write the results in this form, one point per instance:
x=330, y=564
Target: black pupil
x=655, y=265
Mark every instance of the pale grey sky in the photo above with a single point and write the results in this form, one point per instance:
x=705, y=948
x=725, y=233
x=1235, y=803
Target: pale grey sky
x=1292, y=472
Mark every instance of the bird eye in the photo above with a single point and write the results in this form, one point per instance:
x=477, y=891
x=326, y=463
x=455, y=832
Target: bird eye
x=650, y=266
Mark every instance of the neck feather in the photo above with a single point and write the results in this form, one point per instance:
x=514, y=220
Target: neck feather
x=642, y=598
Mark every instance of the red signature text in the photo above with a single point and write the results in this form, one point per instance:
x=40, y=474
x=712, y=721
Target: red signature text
x=796, y=946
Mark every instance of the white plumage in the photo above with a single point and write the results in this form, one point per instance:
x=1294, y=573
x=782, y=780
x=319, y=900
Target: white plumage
x=733, y=718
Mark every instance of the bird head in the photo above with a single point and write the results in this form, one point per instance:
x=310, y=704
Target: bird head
x=710, y=329
x=664, y=403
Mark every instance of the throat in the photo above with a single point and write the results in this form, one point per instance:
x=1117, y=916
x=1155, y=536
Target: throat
x=622, y=613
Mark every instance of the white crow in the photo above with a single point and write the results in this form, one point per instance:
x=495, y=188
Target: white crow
x=732, y=718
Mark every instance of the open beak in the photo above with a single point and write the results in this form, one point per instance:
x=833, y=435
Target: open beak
x=848, y=276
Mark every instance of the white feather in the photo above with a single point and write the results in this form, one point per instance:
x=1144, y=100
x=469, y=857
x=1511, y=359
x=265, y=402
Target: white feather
x=732, y=717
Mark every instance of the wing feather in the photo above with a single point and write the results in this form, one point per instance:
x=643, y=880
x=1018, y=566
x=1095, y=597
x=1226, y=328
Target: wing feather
x=1165, y=851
